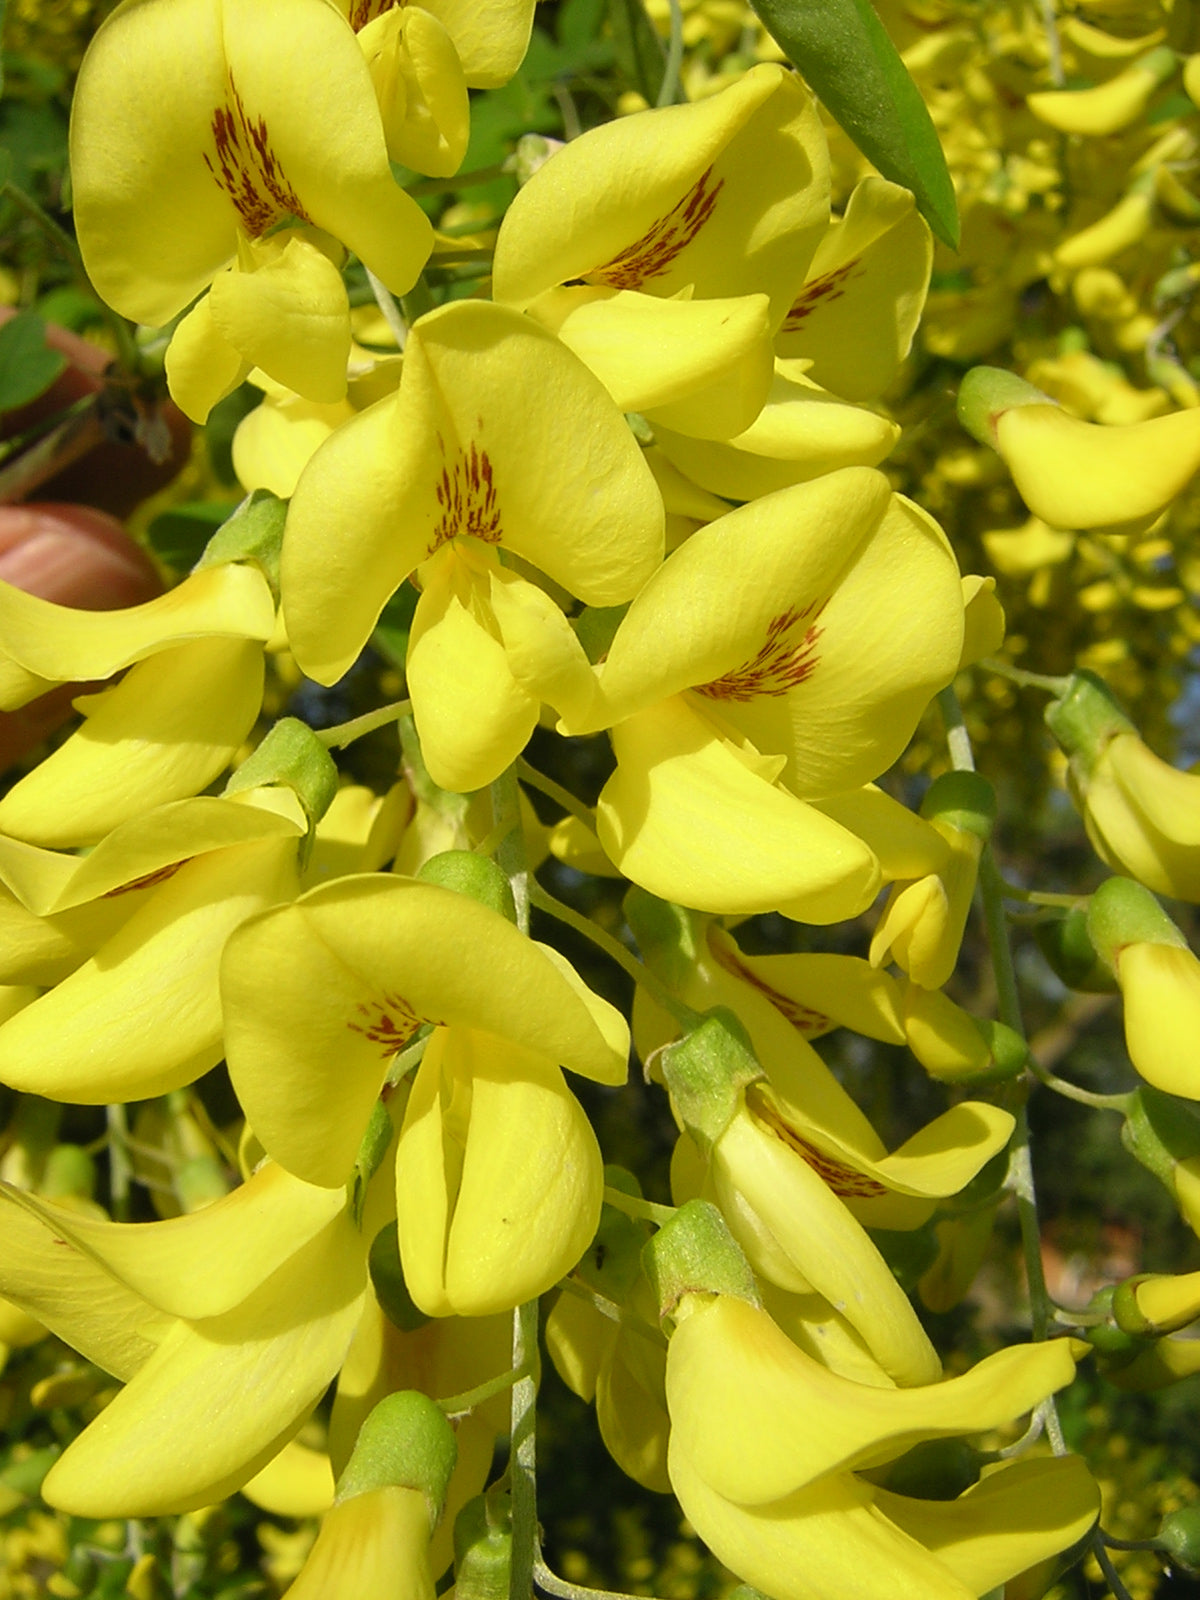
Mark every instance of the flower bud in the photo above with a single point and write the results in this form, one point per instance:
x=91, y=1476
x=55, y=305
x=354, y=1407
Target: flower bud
x=293, y=755
x=406, y=1443
x=468, y=873
x=1071, y=955
x=955, y=1046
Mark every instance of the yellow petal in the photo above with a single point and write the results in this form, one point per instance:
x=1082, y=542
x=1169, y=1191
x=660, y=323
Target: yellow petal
x=166, y=730
x=1160, y=986
x=728, y=194
x=421, y=89
x=373, y=1546
x=699, y=366
x=298, y=1482
x=143, y=1015
x=202, y=366
x=735, y=1384
x=320, y=995
x=283, y=308
x=499, y=1178
x=496, y=432
x=490, y=36
x=45, y=644
x=856, y=315
x=472, y=715
x=678, y=785
x=236, y=1387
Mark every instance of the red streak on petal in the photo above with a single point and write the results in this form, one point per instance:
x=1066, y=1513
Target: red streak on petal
x=782, y=662
x=652, y=254
x=246, y=167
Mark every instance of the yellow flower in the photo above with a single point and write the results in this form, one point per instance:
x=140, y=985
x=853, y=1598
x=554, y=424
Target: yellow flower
x=197, y=129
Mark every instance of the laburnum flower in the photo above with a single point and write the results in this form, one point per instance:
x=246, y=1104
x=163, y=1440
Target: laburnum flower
x=785, y=1506
x=235, y=146
x=855, y=317
x=781, y=656
x=1159, y=978
x=497, y=436
x=226, y=1326
x=141, y=1015
x=499, y=1177
x=191, y=694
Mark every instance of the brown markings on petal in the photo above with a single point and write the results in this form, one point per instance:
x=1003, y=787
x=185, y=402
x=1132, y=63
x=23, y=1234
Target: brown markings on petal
x=785, y=659
x=820, y=291
x=247, y=168
x=159, y=875
x=803, y=1018
x=389, y=1022
x=466, y=492
x=364, y=11
x=847, y=1182
x=651, y=255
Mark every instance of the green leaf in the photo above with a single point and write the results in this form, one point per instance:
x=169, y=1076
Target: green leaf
x=850, y=63
x=640, y=53
x=27, y=365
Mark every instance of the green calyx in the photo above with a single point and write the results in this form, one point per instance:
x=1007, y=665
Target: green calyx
x=405, y=1443
x=1160, y=1132
x=387, y=1279
x=1084, y=718
x=1071, y=955
x=962, y=800
x=476, y=876
x=706, y=1072
x=292, y=756
x=986, y=393
x=1122, y=912
x=483, y=1546
x=371, y=1151
x=1179, y=1537
x=254, y=533
x=695, y=1253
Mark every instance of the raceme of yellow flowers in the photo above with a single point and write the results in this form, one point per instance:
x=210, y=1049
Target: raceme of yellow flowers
x=637, y=487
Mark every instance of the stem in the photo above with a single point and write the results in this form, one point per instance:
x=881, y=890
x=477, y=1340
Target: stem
x=611, y=1311
x=683, y=1014
x=958, y=740
x=522, y=1462
x=120, y=1169
x=1111, y=1576
x=1025, y=680
x=556, y=792
x=1008, y=1003
x=1050, y=22
x=344, y=733
x=668, y=91
x=642, y=1210
x=1071, y=1091
x=386, y=302
x=458, y=1405
x=552, y=1584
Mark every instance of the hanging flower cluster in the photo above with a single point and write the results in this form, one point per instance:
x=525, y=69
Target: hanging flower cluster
x=633, y=489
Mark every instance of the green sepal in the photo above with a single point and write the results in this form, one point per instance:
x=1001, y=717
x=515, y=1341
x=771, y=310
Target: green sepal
x=962, y=800
x=668, y=936
x=1122, y=912
x=387, y=1279
x=1179, y=1537
x=1160, y=1132
x=371, y=1151
x=986, y=393
x=1071, y=955
x=695, y=1253
x=291, y=755
x=474, y=875
x=1127, y=1314
x=706, y=1073
x=405, y=1443
x=1084, y=718
x=253, y=533
x=844, y=53
x=483, y=1546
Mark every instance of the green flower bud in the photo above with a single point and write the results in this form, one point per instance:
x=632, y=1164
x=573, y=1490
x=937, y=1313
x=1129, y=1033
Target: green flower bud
x=987, y=392
x=1121, y=913
x=1179, y=1536
x=474, y=875
x=963, y=800
x=1084, y=718
x=483, y=1547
